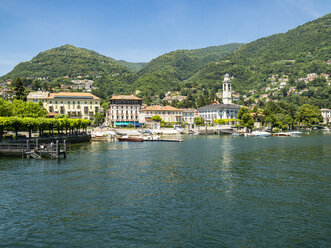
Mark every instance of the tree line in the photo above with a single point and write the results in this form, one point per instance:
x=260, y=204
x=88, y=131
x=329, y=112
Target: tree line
x=16, y=124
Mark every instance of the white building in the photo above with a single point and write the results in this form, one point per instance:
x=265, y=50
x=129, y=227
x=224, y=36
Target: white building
x=124, y=110
x=227, y=110
x=73, y=104
x=326, y=113
x=189, y=115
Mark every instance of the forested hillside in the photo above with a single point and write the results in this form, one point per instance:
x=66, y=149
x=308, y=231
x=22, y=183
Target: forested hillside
x=133, y=66
x=67, y=60
x=166, y=71
x=302, y=50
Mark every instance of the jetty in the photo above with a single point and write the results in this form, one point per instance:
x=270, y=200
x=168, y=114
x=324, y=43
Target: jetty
x=34, y=150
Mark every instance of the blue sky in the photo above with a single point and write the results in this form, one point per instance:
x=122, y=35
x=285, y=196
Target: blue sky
x=140, y=30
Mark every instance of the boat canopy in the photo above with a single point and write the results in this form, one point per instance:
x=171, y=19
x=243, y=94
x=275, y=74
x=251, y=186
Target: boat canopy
x=124, y=124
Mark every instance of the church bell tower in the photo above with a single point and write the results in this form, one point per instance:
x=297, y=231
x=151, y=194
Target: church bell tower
x=227, y=95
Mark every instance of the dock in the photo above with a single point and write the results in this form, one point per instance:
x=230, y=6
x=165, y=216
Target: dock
x=34, y=149
x=164, y=140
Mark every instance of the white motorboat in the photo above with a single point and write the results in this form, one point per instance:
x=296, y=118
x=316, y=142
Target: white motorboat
x=295, y=133
x=260, y=134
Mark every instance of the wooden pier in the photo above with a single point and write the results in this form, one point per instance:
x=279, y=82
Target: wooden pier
x=34, y=149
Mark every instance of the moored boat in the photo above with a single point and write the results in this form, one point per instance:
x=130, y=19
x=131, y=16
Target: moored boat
x=295, y=133
x=130, y=139
x=260, y=134
x=281, y=134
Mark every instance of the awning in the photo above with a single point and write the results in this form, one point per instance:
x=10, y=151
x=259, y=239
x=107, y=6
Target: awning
x=127, y=123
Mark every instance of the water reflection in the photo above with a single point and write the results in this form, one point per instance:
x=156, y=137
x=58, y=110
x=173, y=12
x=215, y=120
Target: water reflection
x=226, y=164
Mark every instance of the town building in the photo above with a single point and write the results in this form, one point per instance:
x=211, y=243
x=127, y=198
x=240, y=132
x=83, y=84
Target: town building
x=73, y=104
x=174, y=98
x=167, y=113
x=123, y=110
x=326, y=113
x=189, y=115
x=226, y=110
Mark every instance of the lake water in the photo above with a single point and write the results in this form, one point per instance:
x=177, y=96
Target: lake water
x=215, y=191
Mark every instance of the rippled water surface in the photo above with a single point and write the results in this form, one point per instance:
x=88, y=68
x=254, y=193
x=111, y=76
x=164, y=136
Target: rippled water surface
x=215, y=191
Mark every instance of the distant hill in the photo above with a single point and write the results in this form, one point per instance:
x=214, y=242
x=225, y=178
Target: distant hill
x=302, y=50
x=165, y=71
x=133, y=66
x=68, y=61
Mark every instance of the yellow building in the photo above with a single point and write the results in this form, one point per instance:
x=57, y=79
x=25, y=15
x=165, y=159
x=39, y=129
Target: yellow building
x=74, y=104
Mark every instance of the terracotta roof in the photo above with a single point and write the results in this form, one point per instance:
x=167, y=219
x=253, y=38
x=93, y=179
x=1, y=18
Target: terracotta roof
x=38, y=94
x=72, y=94
x=160, y=108
x=125, y=97
x=254, y=114
x=189, y=110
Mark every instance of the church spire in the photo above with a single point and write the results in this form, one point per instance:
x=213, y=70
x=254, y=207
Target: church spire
x=227, y=95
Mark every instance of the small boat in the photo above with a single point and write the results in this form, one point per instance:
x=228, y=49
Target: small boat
x=130, y=139
x=295, y=133
x=260, y=134
x=119, y=133
x=281, y=134
x=191, y=132
x=179, y=130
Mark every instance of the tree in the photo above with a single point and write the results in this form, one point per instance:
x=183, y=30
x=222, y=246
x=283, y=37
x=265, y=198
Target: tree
x=308, y=115
x=99, y=118
x=199, y=121
x=19, y=89
x=104, y=105
x=242, y=111
x=28, y=109
x=6, y=108
x=156, y=118
x=246, y=120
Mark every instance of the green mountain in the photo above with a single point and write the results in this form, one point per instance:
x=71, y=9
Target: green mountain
x=133, y=66
x=68, y=61
x=302, y=50
x=166, y=71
